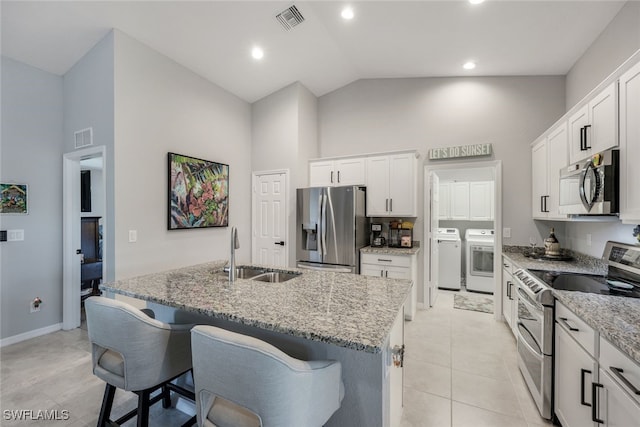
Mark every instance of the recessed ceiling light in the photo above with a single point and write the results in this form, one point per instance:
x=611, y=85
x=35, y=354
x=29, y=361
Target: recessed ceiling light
x=469, y=65
x=347, y=13
x=257, y=52
x=476, y=1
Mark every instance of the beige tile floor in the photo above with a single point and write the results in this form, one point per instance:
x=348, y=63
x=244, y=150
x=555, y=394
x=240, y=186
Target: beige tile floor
x=460, y=371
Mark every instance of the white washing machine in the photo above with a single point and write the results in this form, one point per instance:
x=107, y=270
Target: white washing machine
x=449, y=258
x=479, y=254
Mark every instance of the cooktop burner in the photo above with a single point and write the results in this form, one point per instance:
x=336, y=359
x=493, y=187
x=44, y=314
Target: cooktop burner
x=587, y=283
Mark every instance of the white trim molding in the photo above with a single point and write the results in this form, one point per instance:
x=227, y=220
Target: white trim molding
x=31, y=334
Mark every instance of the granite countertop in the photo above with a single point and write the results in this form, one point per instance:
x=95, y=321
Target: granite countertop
x=385, y=250
x=616, y=318
x=347, y=310
x=579, y=264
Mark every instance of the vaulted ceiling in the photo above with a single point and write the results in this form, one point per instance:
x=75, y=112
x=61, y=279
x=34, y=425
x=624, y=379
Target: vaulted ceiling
x=385, y=39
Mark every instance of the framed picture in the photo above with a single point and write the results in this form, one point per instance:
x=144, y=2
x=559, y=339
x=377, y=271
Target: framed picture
x=13, y=199
x=198, y=193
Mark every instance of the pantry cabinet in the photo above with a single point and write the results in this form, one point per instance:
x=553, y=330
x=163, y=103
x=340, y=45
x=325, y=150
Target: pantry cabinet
x=594, y=127
x=548, y=157
x=630, y=145
x=338, y=172
x=392, y=185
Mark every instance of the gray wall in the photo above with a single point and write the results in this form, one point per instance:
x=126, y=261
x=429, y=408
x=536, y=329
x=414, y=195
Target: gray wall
x=284, y=136
x=31, y=154
x=161, y=106
x=422, y=113
x=615, y=44
x=89, y=102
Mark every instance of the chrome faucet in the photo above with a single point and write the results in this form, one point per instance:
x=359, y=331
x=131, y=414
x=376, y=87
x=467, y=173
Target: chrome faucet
x=235, y=244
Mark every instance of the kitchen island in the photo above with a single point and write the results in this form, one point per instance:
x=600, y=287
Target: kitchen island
x=315, y=315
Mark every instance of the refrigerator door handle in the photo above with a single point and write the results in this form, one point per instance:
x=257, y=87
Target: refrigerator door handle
x=319, y=235
x=323, y=218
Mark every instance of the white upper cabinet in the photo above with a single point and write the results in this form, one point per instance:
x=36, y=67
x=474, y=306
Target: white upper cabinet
x=481, y=201
x=391, y=185
x=548, y=156
x=443, y=205
x=459, y=201
x=339, y=172
x=594, y=127
x=630, y=145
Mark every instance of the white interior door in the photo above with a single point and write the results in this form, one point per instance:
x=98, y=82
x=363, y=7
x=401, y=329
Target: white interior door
x=270, y=242
x=434, y=212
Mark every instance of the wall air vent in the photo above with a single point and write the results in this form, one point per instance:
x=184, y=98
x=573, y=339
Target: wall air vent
x=84, y=137
x=290, y=17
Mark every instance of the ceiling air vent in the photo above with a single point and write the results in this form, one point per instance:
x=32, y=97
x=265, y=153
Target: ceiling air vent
x=290, y=17
x=84, y=137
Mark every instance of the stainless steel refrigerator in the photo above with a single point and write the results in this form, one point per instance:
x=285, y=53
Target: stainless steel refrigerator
x=331, y=228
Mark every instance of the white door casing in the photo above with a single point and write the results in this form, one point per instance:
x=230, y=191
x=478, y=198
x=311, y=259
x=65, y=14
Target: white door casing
x=270, y=240
x=71, y=231
x=434, y=208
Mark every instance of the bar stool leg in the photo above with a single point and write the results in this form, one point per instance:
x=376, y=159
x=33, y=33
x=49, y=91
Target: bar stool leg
x=107, y=403
x=143, y=408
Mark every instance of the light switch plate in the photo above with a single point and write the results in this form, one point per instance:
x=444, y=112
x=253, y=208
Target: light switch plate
x=133, y=236
x=506, y=232
x=15, y=235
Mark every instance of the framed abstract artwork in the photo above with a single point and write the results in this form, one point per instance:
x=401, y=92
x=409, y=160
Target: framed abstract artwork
x=198, y=193
x=13, y=199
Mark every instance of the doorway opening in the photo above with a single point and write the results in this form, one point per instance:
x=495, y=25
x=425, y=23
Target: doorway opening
x=84, y=229
x=463, y=210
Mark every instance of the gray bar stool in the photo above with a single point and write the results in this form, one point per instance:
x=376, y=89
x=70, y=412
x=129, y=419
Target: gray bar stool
x=241, y=381
x=134, y=352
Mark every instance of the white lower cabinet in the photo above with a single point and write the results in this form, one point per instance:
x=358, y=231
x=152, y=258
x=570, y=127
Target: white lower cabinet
x=509, y=295
x=592, y=388
x=393, y=267
x=575, y=370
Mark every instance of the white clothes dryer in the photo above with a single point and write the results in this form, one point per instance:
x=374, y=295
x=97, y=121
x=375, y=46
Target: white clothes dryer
x=479, y=253
x=449, y=258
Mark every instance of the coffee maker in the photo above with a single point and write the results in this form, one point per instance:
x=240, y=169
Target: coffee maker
x=376, y=236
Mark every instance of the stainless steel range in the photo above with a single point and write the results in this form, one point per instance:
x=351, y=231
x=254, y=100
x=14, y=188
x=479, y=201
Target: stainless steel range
x=536, y=312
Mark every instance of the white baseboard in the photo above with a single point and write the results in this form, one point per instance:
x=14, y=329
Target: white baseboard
x=31, y=334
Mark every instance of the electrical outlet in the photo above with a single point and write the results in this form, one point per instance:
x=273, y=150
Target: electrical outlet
x=506, y=232
x=133, y=236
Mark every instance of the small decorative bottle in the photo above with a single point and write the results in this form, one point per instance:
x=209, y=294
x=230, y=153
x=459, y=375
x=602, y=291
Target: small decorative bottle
x=551, y=245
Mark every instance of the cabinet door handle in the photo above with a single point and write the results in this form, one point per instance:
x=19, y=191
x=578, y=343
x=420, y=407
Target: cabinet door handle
x=541, y=204
x=386, y=205
x=381, y=273
x=582, y=145
x=338, y=177
x=618, y=373
x=582, y=382
x=385, y=260
x=509, y=290
x=586, y=140
x=390, y=205
x=571, y=328
x=594, y=403
x=332, y=177
x=386, y=274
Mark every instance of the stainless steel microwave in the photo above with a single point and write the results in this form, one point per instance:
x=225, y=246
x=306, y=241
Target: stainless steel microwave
x=591, y=187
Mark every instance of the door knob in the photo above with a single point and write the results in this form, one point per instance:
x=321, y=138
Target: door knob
x=279, y=243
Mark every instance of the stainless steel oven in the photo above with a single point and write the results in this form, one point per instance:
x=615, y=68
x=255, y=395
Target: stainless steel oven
x=535, y=318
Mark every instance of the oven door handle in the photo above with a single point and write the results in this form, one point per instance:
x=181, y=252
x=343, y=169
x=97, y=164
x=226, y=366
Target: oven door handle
x=537, y=353
x=525, y=299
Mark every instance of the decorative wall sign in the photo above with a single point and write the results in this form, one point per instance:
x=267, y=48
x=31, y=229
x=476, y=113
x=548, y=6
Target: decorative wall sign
x=473, y=150
x=198, y=193
x=13, y=199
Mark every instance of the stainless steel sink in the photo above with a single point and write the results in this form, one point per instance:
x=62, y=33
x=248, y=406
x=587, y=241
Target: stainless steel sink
x=246, y=272
x=276, y=276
